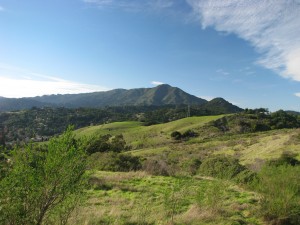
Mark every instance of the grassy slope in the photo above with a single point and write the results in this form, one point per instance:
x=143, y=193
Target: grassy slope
x=139, y=136
x=138, y=198
x=151, y=141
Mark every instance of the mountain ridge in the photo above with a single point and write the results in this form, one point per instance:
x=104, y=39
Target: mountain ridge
x=157, y=96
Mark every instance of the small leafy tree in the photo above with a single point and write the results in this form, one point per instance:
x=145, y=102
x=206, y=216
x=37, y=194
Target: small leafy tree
x=43, y=185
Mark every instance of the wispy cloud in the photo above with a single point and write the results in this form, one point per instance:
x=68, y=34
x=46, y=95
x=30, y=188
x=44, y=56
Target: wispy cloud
x=156, y=83
x=29, y=84
x=133, y=5
x=1, y=8
x=272, y=27
x=223, y=72
x=297, y=94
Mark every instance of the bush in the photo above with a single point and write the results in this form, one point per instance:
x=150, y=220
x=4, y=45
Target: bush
x=176, y=135
x=112, y=161
x=189, y=134
x=106, y=143
x=286, y=158
x=157, y=167
x=245, y=177
x=221, y=167
x=280, y=189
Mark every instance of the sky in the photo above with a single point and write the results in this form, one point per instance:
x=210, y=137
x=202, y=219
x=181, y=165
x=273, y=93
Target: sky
x=246, y=51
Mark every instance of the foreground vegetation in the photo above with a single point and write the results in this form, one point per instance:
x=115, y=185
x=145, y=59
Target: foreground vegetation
x=139, y=198
x=233, y=169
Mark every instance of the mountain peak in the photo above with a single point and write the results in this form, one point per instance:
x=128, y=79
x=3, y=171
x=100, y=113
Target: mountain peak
x=160, y=95
x=164, y=85
x=226, y=106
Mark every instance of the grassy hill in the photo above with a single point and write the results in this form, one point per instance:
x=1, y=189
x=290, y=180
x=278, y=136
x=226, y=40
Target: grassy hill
x=155, y=140
x=139, y=136
x=182, y=198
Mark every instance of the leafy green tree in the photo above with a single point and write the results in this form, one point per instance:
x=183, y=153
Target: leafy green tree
x=44, y=186
x=118, y=143
x=98, y=144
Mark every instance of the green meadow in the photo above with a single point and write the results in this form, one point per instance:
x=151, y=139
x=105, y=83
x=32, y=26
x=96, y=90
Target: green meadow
x=139, y=198
x=184, y=196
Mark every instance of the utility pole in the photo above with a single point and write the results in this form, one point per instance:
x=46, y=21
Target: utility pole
x=2, y=135
x=189, y=111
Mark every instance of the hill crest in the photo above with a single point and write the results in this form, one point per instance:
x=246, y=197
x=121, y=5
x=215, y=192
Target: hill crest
x=157, y=96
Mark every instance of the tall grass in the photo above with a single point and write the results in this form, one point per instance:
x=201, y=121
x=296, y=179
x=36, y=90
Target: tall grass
x=280, y=189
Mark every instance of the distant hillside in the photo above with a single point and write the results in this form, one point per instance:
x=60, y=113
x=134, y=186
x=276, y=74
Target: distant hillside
x=291, y=112
x=11, y=104
x=221, y=106
x=157, y=96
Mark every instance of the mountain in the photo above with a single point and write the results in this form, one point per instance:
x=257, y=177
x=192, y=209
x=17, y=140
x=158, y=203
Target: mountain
x=157, y=96
x=220, y=106
x=11, y=104
x=292, y=112
x=160, y=95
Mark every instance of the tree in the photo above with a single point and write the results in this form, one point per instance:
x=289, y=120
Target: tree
x=43, y=186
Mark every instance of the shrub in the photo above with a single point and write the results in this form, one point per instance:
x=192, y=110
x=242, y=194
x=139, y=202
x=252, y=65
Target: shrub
x=112, y=161
x=106, y=143
x=286, y=158
x=280, y=189
x=194, y=166
x=157, y=167
x=189, y=134
x=246, y=177
x=176, y=135
x=221, y=167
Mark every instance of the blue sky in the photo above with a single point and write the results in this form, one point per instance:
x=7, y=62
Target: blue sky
x=247, y=52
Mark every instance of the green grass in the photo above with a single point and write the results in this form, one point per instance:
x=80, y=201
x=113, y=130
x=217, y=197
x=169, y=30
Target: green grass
x=139, y=136
x=155, y=141
x=138, y=198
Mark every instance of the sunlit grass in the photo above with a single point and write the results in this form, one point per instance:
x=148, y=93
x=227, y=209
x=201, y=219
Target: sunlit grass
x=138, y=198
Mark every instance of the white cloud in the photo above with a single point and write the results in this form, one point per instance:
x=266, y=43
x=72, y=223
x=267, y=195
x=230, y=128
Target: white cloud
x=297, y=94
x=16, y=88
x=156, y=83
x=28, y=84
x=272, y=27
